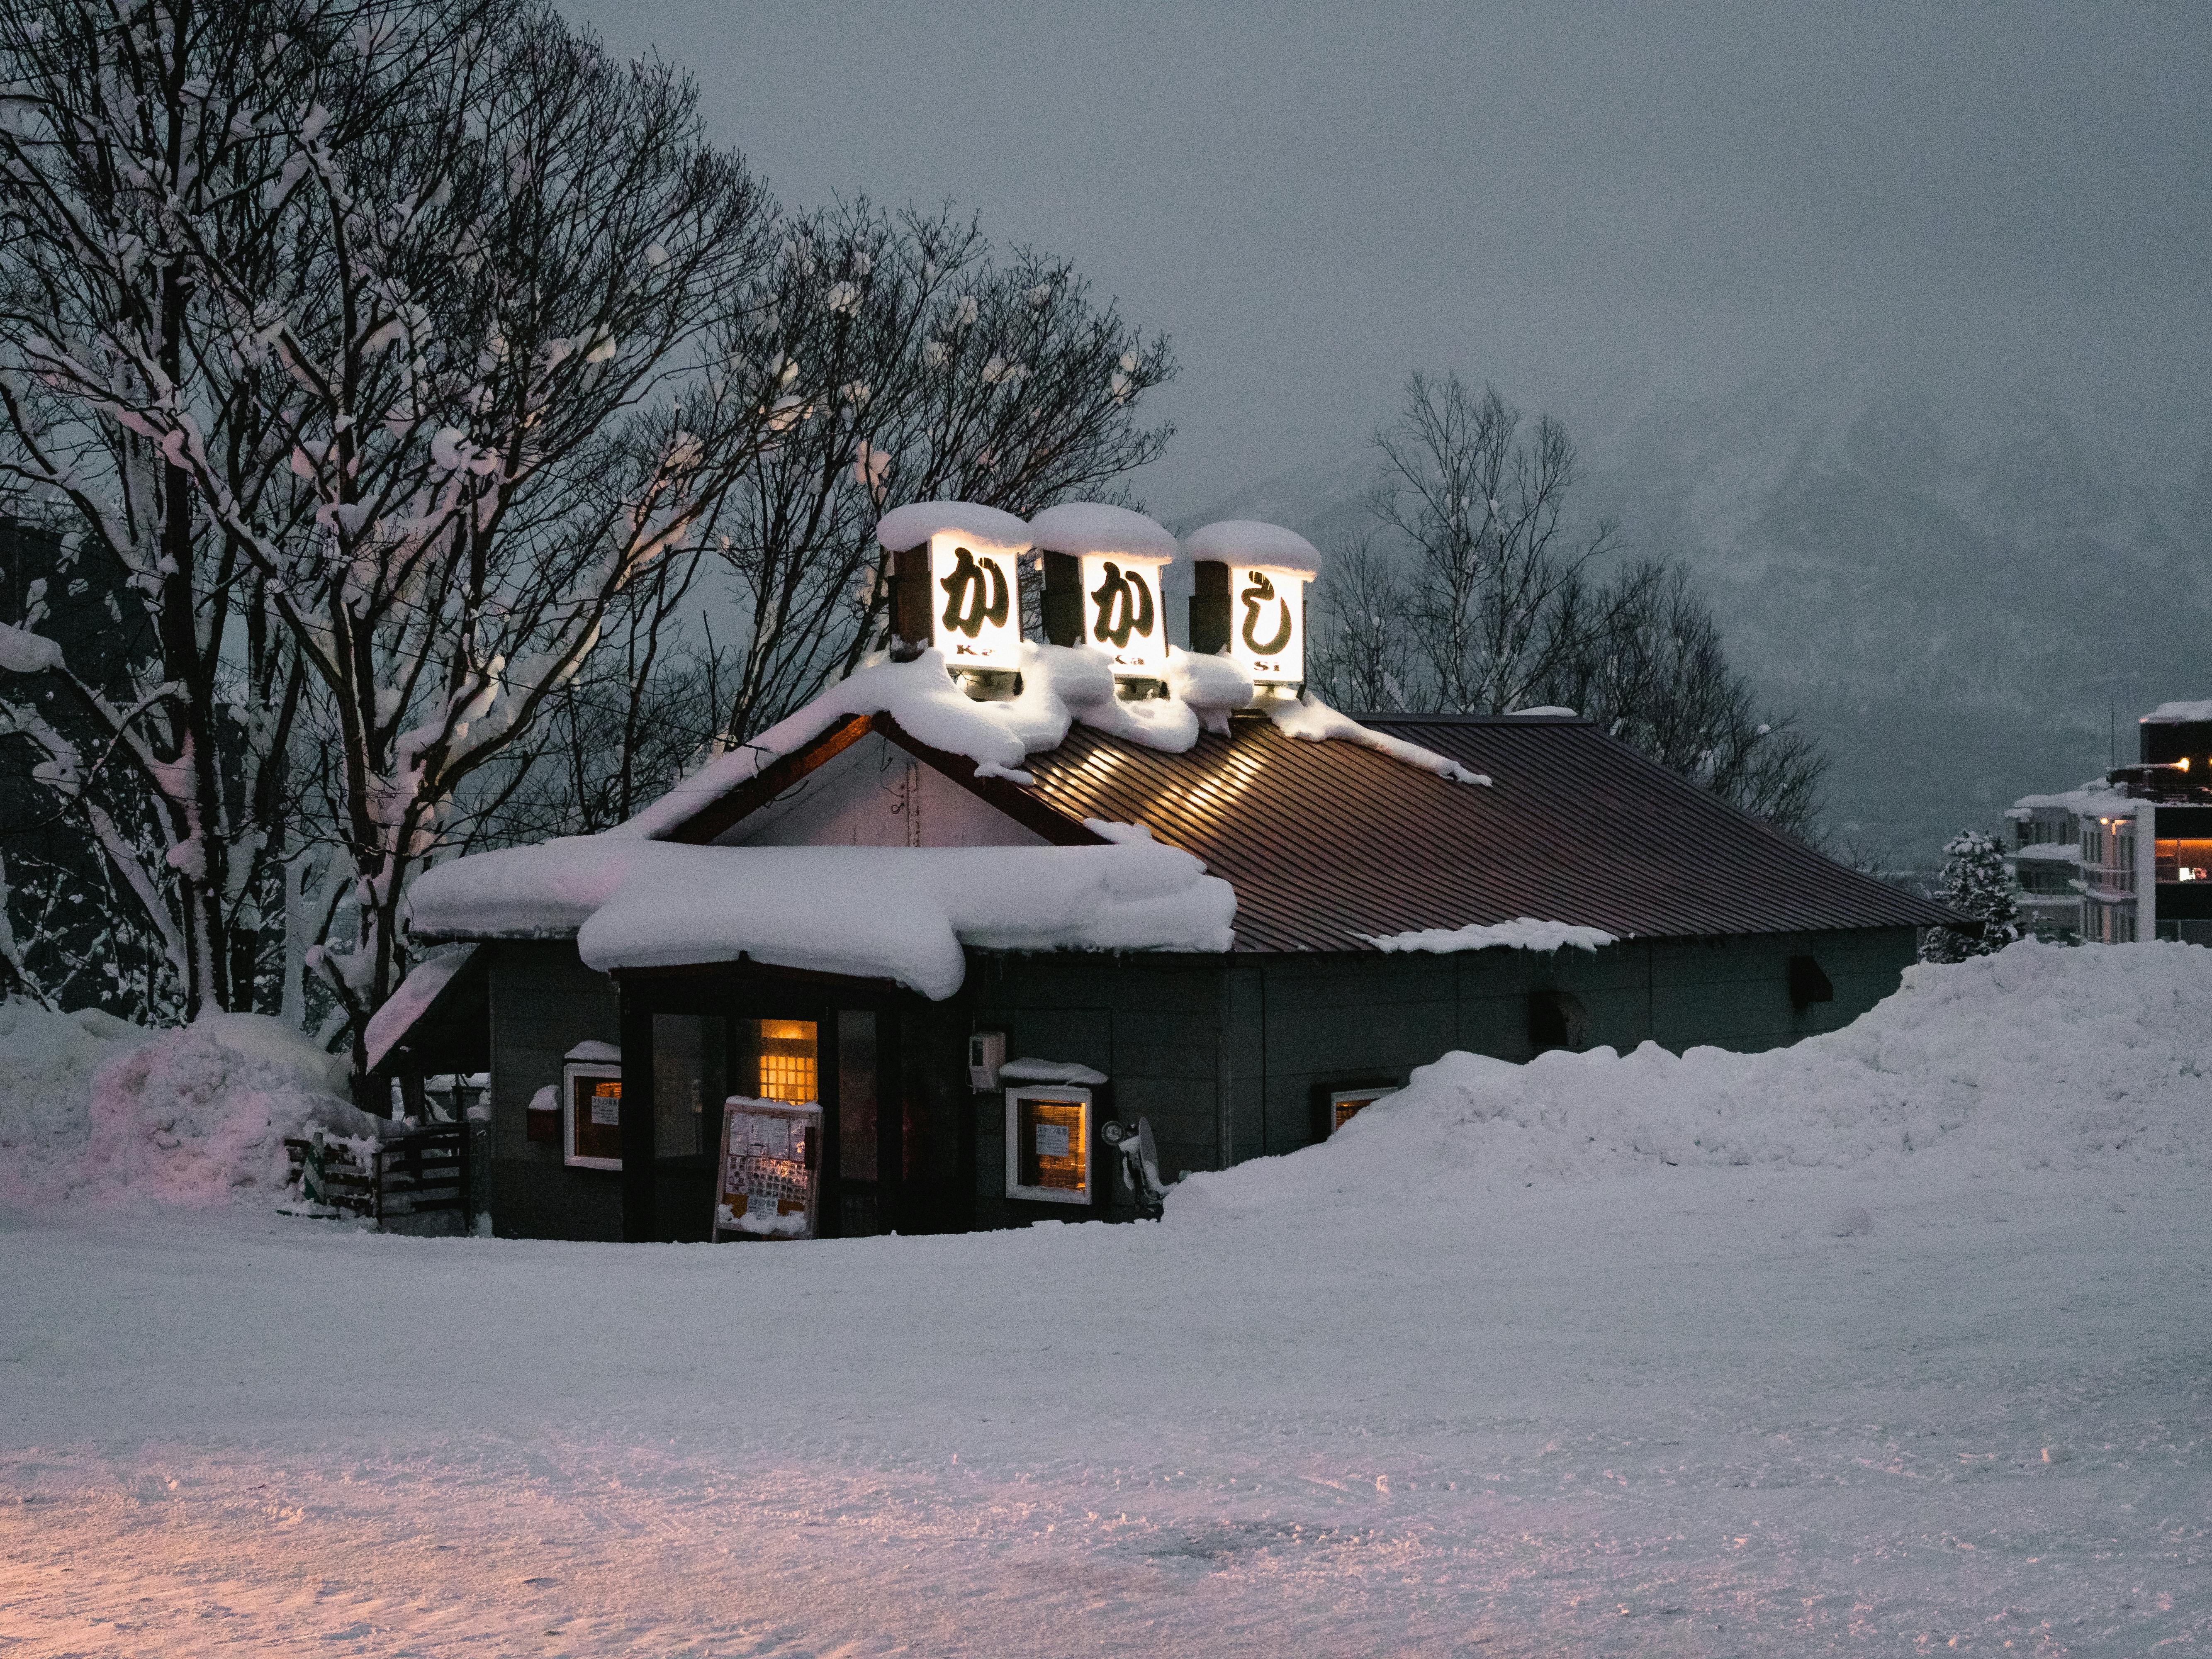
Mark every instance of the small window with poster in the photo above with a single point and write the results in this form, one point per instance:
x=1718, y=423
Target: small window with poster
x=1048, y=1134
x=591, y=1117
x=1337, y=1103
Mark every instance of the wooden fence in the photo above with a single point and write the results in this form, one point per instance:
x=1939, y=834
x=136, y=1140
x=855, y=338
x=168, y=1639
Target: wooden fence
x=410, y=1183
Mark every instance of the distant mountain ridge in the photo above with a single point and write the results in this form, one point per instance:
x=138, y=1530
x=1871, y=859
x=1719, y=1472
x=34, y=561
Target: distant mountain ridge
x=1964, y=597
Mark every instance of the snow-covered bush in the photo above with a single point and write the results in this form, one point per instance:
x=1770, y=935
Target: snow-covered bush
x=1975, y=883
x=94, y=1108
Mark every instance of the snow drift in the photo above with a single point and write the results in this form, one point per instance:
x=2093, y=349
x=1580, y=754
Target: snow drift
x=2038, y=1056
x=92, y=1108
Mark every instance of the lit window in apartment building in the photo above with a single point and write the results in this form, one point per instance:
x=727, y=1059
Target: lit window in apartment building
x=2183, y=860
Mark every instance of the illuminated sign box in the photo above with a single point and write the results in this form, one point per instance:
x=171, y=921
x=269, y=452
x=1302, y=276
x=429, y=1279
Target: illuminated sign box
x=1048, y=1136
x=975, y=602
x=1249, y=601
x=1102, y=585
x=1123, y=613
x=590, y=1115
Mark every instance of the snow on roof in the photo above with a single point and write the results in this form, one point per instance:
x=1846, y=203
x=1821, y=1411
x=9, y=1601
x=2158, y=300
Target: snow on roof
x=892, y=912
x=1315, y=722
x=1523, y=933
x=423, y=985
x=2051, y=852
x=1080, y=527
x=2173, y=714
x=1245, y=541
x=1549, y=711
x=2095, y=798
x=1051, y=1071
x=911, y=525
x=1060, y=685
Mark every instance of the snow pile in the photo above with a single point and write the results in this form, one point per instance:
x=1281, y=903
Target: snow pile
x=1523, y=933
x=2037, y=1056
x=891, y=913
x=46, y=1066
x=93, y=1107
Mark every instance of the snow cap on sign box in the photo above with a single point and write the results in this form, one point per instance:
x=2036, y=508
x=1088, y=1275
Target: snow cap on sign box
x=1260, y=546
x=910, y=527
x=1098, y=527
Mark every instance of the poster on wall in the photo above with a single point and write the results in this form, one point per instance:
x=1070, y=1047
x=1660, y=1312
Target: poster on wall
x=770, y=1167
x=975, y=602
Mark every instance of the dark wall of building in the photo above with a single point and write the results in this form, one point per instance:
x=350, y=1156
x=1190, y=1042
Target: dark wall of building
x=1229, y=1058
x=1151, y=1024
x=1298, y=1026
x=544, y=1002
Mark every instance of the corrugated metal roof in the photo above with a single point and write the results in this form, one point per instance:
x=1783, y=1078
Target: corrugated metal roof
x=1326, y=842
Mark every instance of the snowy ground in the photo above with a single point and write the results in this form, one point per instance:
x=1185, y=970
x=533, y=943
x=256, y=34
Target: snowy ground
x=1631, y=1399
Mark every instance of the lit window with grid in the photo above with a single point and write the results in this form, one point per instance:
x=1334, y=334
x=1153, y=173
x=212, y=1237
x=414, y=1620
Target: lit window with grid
x=788, y=1069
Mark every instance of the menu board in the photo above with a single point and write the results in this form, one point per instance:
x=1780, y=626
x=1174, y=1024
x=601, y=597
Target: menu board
x=770, y=1168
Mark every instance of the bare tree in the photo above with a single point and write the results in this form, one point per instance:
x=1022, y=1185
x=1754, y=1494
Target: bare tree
x=1360, y=655
x=1482, y=505
x=132, y=132
x=1495, y=598
x=646, y=708
x=490, y=279
x=901, y=363
x=1650, y=666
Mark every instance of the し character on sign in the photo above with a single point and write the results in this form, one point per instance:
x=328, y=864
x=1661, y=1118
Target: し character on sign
x=1267, y=632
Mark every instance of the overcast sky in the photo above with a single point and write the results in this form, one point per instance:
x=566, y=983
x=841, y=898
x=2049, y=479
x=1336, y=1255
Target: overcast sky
x=1593, y=205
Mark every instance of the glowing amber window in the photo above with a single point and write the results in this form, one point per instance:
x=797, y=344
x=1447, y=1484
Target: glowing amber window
x=2185, y=860
x=788, y=1070
x=1346, y=1104
x=1049, y=1132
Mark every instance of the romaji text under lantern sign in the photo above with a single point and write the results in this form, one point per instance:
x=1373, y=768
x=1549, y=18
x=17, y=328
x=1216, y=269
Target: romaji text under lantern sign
x=1250, y=597
x=976, y=601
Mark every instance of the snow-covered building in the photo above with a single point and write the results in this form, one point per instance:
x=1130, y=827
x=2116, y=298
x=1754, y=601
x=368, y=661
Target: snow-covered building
x=917, y=957
x=2127, y=856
